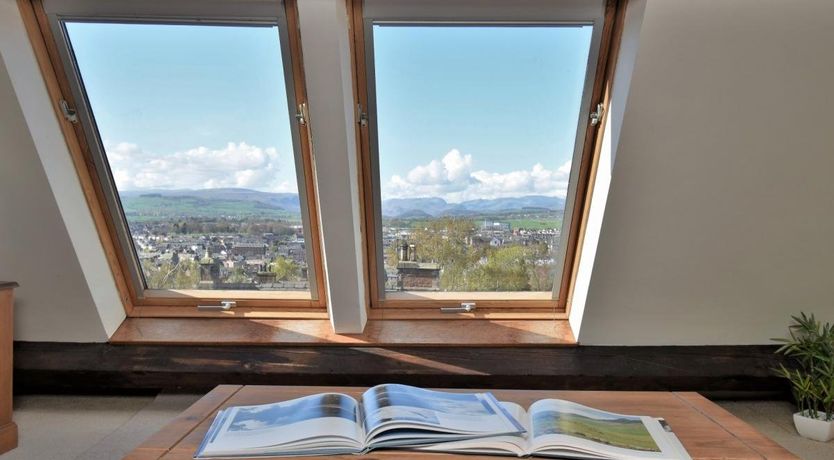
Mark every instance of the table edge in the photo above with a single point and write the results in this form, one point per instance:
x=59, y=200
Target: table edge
x=745, y=433
x=183, y=424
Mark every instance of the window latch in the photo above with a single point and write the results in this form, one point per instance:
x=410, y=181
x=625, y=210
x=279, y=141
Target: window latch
x=69, y=113
x=363, y=116
x=465, y=307
x=596, y=116
x=225, y=305
x=301, y=114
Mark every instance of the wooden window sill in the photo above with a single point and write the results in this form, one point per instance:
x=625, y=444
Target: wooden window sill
x=405, y=332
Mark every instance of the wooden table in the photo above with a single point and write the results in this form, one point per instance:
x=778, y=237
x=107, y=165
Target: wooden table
x=8, y=429
x=705, y=429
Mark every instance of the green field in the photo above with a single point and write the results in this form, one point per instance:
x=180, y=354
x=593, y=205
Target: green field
x=516, y=219
x=535, y=224
x=622, y=432
x=153, y=207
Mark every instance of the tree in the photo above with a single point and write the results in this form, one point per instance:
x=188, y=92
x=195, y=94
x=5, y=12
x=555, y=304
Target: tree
x=237, y=276
x=391, y=256
x=447, y=242
x=506, y=269
x=541, y=275
x=467, y=265
x=185, y=274
x=285, y=269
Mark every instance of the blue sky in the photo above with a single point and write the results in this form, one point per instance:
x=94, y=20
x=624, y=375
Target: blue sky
x=183, y=106
x=464, y=112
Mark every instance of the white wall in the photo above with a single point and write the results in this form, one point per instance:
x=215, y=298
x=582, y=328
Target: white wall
x=720, y=217
x=41, y=122
x=53, y=302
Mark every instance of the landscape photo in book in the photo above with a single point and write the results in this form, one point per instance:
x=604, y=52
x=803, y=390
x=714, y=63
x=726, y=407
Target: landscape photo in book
x=628, y=432
x=272, y=415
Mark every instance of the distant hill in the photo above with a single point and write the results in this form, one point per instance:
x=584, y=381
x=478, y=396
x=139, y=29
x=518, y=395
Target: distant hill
x=286, y=201
x=219, y=202
x=414, y=214
x=436, y=207
x=396, y=207
x=210, y=203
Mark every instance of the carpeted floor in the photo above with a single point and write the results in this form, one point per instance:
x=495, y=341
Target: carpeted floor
x=89, y=427
x=107, y=427
x=774, y=419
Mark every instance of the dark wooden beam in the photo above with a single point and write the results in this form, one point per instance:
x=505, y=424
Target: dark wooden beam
x=76, y=367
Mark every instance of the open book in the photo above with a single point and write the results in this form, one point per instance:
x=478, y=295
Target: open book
x=404, y=417
x=563, y=429
x=332, y=423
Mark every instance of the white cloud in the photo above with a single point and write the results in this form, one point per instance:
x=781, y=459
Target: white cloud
x=454, y=179
x=445, y=172
x=237, y=165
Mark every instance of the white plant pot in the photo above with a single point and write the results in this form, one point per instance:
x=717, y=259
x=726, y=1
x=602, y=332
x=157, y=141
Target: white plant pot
x=817, y=429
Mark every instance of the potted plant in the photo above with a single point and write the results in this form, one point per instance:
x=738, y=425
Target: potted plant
x=811, y=347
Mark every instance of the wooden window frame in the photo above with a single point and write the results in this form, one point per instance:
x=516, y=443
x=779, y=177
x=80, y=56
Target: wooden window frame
x=178, y=303
x=522, y=305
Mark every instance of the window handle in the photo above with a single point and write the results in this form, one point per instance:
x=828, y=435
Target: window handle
x=465, y=307
x=596, y=117
x=225, y=305
x=69, y=113
x=363, y=116
x=301, y=114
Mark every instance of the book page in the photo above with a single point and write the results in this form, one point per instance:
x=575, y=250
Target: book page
x=328, y=419
x=517, y=445
x=402, y=406
x=557, y=426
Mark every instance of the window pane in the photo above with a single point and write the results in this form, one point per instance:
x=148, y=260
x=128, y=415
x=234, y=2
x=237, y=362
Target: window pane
x=476, y=129
x=195, y=125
